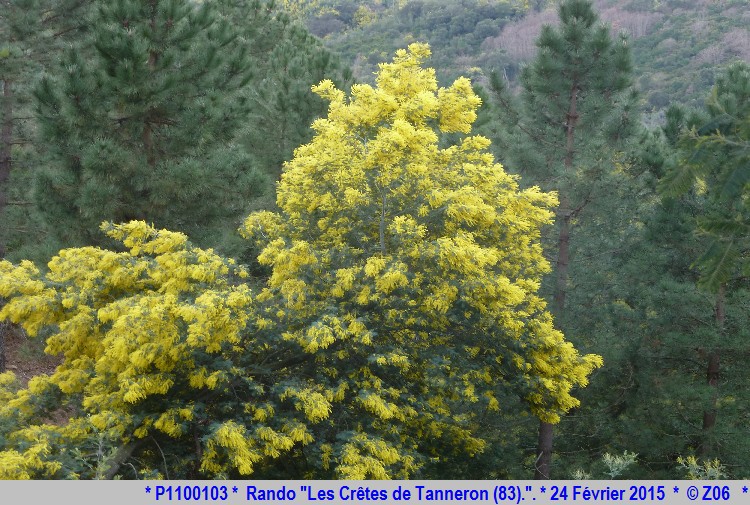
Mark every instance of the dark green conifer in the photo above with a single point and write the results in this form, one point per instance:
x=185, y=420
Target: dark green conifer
x=33, y=34
x=289, y=61
x=27, y=38
x=146, y=126
x=715, y=167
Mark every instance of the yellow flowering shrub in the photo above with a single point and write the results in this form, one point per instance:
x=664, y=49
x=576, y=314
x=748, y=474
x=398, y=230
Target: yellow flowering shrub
x=401, y=303
x=147, y=337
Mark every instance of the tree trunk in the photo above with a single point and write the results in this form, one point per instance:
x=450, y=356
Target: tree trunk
x=571, y=121
x=543, y=465
x=6, y=142
x=564, y=210
x=563, y=259
x=712, y=377
x=709, y=415
x=122, y=454
x=543, y=462
x=6, y=139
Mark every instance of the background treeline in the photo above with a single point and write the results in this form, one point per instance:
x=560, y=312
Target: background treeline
x=677, y=46
x=645, y=139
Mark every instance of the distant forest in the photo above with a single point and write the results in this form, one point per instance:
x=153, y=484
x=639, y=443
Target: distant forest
x=678, y=47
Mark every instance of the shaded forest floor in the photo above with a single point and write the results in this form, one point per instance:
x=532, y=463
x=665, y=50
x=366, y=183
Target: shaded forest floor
x=25, y=356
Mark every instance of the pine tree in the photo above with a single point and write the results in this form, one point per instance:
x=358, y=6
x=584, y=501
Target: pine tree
x=288, y=61
x=576, y=105
x=642, y=311
x=716, y=156
x=146, y=127
x=38, y=32
x=22, y=34
x=658, y=395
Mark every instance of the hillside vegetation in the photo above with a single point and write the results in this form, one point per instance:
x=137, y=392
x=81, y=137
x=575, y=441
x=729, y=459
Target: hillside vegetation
x=678, y=46
x=241, y=261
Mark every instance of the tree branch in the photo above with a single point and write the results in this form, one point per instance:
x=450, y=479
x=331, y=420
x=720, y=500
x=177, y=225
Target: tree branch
x=121, y=456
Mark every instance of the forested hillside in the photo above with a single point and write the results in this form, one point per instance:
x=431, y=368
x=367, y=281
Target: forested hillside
x=482, y=239
x=678, y=46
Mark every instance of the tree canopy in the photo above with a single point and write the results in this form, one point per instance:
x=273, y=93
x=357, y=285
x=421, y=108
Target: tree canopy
x=140, y=121
x=715, y=157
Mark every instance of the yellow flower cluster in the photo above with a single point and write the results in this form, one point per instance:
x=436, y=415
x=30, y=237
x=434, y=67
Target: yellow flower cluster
x=129, y=326
x=365, y=457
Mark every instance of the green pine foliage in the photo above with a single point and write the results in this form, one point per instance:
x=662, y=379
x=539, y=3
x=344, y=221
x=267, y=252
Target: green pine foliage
x=288, y=61
x=145, y=127
x=716, y=159
x=32, y=33
x=663, y=328
x=709, y=170
x=567, y=131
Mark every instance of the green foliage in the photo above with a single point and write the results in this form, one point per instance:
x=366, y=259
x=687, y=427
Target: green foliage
x=254, y=127
x=33, y=33
x=686, y=47
x=617, y=464
x=609, y=466
x=287, y=62
x=716, y=159
x=578, y=63
x=662, y=328
x=679, y=47
x=569, y=131
x=145, y=128
x=455, y=30
x=701, y=224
